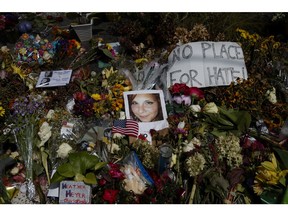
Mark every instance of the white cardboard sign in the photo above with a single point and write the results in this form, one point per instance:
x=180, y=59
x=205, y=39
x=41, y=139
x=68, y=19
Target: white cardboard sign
x=206, y=63
x=72, y=192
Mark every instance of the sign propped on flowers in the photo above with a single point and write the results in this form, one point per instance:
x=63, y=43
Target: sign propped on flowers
x=206, y=63
x=72, y=192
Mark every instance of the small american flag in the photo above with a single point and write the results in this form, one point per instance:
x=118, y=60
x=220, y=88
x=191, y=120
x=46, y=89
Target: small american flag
x=126, y=126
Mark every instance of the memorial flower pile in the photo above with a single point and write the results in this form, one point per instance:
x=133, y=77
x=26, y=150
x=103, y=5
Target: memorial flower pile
x=223, y=144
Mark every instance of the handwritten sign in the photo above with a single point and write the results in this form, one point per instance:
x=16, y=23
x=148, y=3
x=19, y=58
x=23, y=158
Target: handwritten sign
x=206, y=63
x=72, y=192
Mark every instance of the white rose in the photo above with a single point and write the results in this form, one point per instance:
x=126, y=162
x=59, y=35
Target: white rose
x=191, y=145
x=113, y=148
x=188, y=146
x=271, y=95
x=50, y=114
x=64, y=150
x=5, y=49
x=181, y=125
x=14, y=171
x=210, y=108
x=44, y=133
x=118, y=135
x=122, y=115
x=14, y=154
x=195, y=109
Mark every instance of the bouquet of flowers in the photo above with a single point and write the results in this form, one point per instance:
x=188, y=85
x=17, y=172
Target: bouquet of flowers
x=27, y=111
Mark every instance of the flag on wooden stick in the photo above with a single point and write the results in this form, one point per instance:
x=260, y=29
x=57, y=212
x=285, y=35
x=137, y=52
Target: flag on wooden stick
x=126, y=126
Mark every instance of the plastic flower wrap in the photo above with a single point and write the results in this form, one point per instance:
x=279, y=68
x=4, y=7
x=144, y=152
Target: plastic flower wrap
x=26, y=113
x=33, y=50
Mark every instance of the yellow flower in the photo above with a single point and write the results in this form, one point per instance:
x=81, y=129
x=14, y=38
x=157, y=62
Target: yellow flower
x=269, y=174
x=22, y=51
x=18, y=71
x=109, y=47
x=138, y=61
x=96, y=97
x=107, y=73
x=2, y=111
x=276, y=45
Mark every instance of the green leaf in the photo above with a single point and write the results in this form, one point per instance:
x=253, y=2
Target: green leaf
x=90, y=178
x=44, y=157
x=243, y=121
x=216, y=120
x=79, y=177
x=103, y=64
x=190, y=136
x=88, y=161
x=38, y=168
x=57, y=178
x=230, y=114
x=107, y=53
x=218, y=133
x=66, y=170
x=74, y=161
x=99, y=165
x=283, y=154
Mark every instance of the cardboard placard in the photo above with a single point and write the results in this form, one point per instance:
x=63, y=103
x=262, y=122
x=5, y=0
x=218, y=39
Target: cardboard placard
x=206, y=63
x=72, y=192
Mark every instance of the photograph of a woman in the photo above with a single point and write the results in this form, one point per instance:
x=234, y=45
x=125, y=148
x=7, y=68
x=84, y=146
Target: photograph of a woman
x=145, y=107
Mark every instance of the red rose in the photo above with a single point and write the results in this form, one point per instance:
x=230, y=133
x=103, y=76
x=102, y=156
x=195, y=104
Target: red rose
x=179, y=88
x=80, y=96
x=18, y=178
x=142, y=137
x=196, y=93
x=115, y=173
x=102, y=182
x=110, y=195
x=113, y=165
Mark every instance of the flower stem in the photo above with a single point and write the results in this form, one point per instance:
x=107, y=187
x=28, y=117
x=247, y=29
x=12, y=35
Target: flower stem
x=193, y=191
x=179, y=176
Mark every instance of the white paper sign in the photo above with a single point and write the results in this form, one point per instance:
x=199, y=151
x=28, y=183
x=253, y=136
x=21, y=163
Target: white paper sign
x=206, y=63
x=72, y=192
x=54, y=78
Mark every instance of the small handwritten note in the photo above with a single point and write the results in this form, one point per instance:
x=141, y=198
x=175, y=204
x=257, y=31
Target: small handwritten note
x=72, y=192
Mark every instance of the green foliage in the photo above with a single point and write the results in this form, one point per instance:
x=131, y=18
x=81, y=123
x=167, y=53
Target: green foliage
x=283, y=154
x=80, y=167
x=235, y=121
